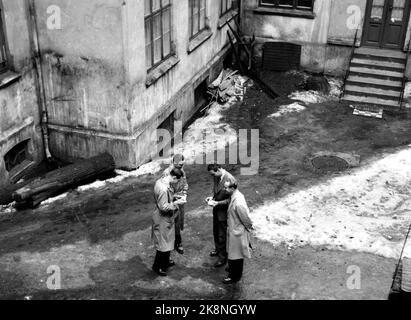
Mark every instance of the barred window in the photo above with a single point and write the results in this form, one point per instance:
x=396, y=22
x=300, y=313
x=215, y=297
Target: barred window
x=289, y=4
x=197, y=16
x=3, y=46
x=158, y=31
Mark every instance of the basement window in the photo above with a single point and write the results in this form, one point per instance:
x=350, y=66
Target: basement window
x=17, y=155
x=167, y=124
x=200, y=95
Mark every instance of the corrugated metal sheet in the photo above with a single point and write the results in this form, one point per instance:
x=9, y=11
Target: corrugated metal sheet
x=281, y=56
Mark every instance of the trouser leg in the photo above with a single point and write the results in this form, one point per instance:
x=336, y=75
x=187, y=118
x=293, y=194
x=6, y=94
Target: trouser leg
x=177, y=241
x=215, y=231
x=236, y=269
x=222, y=240
x=165, y=258
x=158, y=260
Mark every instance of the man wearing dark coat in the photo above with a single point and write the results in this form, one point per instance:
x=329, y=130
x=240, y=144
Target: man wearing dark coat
x=163, y=227
x=219, y=201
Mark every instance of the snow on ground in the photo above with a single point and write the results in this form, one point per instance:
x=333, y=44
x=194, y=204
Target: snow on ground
x=312, y=96
x=286, y=109
x=365, y=210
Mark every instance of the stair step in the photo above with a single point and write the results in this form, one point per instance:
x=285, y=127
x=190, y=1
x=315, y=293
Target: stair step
x=371, y=100
x=370, y=91
x=385, y=65
x=377, y=52
x=377, y=72
x=379, y=83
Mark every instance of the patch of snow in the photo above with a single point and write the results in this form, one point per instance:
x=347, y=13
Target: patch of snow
x=54, y=199
x=312, y=96
x=286, y=109
x=352, y=212
x=7, y=208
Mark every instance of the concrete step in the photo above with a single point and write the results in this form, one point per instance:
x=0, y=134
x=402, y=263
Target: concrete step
x=378, y=64
x=372, y=82
x=372, y=92
x=377, y=72
x=371, y=100
x=377, y=52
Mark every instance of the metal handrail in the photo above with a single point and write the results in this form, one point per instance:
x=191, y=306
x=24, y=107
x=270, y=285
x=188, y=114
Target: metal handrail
x=404, y=79
x=349, y=63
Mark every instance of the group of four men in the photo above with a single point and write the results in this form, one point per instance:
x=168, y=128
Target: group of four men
x=231, y=222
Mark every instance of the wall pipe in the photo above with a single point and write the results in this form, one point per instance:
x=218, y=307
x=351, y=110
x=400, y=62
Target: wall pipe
x=34, y=41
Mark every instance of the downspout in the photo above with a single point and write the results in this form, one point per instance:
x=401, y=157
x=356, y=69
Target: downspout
x=36, y=54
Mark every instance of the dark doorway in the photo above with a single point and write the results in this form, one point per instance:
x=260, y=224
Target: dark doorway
x=164, y=144
x=386, y=23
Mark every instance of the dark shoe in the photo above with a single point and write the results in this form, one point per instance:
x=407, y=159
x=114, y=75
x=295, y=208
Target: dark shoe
x=220, y=264
x=160, y=272
x=228, y=280
x=171, y=263
x=180, y=249
x=213, y=253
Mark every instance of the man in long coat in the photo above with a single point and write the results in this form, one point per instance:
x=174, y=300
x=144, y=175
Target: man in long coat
x=239, y=228
x=180, y=190
x=163, y=228
x=220, y=202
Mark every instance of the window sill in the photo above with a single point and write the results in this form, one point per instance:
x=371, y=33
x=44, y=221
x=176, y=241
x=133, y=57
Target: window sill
x=156, y=73
x=7, y=78
x=227, y=17
x=199, y=39
x=285, y=12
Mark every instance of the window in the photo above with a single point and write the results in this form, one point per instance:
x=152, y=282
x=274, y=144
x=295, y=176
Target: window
x=289, y=4
x=158, y=31
x=3, y=45
x=17, y=155
x=197, y=16
x=226, y=6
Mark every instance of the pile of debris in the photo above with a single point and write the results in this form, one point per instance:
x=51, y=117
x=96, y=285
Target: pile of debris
x=228, y=84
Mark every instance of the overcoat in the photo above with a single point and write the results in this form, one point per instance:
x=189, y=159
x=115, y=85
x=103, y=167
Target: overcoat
x=239, y=226
x=163, y=227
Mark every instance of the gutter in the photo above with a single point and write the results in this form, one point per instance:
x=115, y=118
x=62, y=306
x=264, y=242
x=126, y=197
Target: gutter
x=40, y=88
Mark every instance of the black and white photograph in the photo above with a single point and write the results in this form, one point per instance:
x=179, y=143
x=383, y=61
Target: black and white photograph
x=223, y=152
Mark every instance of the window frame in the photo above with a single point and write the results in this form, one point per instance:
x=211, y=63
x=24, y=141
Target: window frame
x=222, y=13
x=276, y=4
x=3, y=38
x=151, y=18
x=191, y=14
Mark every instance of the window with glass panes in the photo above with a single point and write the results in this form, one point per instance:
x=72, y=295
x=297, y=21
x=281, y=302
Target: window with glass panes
x=197, y=16
x=225, y=6
x=289, y=4
x=3, y=47
x=158, y=31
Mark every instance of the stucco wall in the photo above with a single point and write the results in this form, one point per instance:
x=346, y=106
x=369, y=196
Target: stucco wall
x=96, y=76
x=19, y=111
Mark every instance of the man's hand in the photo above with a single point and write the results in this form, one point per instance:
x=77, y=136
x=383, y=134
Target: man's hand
x=208, y=199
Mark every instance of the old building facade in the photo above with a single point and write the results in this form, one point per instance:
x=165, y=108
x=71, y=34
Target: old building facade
x=112, y=72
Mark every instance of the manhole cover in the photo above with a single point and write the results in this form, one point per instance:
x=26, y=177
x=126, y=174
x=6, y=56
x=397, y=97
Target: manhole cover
x=333, y=162
x=329, y=163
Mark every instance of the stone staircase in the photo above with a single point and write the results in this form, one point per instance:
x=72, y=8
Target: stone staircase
x=375, y=78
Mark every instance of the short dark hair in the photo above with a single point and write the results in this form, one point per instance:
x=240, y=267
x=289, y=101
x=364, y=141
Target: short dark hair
x=213, y=167
x=178, y=158
x=177, y=173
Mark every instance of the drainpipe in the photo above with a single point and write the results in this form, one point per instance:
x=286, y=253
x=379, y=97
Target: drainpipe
x=34, y=41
